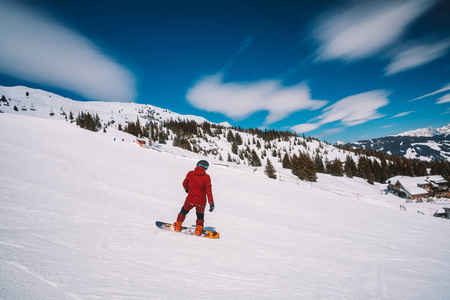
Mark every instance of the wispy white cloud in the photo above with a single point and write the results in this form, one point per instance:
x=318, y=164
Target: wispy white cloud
x=444, y=99
x=402, y=114
x=350, y=111
x=245, y=44
x=387, y=126
x=37, y=48
x=331, y=131
x=444, y=89
x=305, y=127
x=416, y=56
x=242, y=48
x=356, y=109
x=365, y=28
x=239, y=100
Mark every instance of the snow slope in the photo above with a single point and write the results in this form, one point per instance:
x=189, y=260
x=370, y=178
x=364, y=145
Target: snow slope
x=45, y=102
x=23, y=98
x=77, y=214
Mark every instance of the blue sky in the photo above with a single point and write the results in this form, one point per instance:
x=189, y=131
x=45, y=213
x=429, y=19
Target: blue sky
x=336, y=70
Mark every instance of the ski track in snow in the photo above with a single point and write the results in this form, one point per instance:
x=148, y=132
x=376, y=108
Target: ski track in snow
x=77, y=214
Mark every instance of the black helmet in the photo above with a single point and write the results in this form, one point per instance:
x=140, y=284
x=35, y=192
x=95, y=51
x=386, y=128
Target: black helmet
x=204, y=164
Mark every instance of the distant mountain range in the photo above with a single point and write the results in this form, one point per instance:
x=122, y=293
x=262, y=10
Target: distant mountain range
x=425, y=144
x=427, y=132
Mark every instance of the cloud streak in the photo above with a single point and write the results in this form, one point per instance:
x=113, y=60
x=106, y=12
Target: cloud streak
x=399, y=115
x=444, y=99
x=37, y=48
x=416, y=56
x=359, y=31
x=444, y=89
x=238, y=100
x=350, y=111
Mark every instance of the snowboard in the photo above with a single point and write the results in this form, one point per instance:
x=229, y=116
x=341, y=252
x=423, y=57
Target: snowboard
x=188, y=230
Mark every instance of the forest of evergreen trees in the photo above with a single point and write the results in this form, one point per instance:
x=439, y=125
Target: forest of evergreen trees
x=392, y=165
x=186, y=135
x=87, y=121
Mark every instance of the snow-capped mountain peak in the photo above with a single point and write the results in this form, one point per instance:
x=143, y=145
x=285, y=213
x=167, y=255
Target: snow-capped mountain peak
x=427, y=132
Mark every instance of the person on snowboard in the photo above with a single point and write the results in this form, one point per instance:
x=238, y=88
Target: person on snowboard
x=198, y=186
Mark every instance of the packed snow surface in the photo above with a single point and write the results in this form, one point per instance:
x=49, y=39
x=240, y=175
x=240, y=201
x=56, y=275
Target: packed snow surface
x=78, y=212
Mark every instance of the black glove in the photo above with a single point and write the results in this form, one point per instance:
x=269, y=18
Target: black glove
x=211, y=207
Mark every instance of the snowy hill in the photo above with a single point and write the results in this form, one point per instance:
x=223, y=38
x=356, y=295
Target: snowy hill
x=224, y=144
x=39, y=103
x=213, y=144
x=77, y=214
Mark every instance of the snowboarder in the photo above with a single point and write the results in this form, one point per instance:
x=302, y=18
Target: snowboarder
x=198, y=186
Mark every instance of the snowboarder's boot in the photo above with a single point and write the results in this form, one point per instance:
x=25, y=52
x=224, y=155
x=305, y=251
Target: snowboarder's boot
x=198, y=230
x=177, y=226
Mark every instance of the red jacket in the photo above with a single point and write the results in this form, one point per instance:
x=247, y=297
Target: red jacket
x=198, y=183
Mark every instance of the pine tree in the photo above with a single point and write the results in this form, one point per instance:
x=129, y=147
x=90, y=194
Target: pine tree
x=230, y=136
x=385, y=171
x=241, y=154
x=295, y=164
x=238, y=139
x=365, y=169
x=350, y=167
x=419, y=168
x=377, y=172
x=348, y=171
x=335, y=168
x=310, y=168
x=408, y=168
x=274, y=153
x=360, y=170
x=175, y=141
x=286, y=162
x=182, y=143
x=319, y=164
x=270, y=170
x=370, y=176
x=255, y=161
x=303, y=167
x=88, y=121
x=234, y=148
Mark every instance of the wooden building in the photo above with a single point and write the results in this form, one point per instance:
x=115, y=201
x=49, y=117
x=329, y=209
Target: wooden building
x=419, y=187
